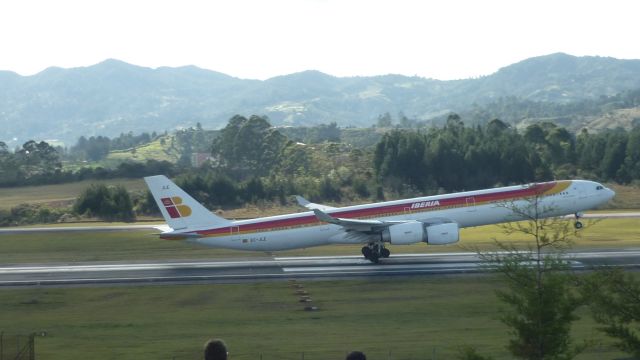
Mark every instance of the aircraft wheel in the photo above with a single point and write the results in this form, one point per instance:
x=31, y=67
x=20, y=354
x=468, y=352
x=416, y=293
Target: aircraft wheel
x=578, y=225
x=366, y=251
x=385, y=253
x=374, y=258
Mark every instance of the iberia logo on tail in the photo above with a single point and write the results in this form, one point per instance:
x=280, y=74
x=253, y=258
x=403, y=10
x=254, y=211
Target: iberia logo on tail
x=175, y=208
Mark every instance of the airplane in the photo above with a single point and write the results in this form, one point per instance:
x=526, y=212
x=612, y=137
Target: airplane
x=434, y=220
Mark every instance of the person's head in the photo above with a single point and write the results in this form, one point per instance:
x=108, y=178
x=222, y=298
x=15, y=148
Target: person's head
x=356, y=355
x=215, y=349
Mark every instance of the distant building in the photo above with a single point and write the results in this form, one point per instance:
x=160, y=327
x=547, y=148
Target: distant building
x=55, y=142
x=197, y=159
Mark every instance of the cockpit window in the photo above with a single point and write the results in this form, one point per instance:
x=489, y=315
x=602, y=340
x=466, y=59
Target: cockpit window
x=599, y=187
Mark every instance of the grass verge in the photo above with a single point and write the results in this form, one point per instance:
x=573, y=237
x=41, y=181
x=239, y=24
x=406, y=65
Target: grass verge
x=410, y=318
x=142, y=245
x=59, y=194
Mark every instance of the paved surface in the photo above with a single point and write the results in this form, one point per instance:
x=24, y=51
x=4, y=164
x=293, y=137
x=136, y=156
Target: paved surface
x=57, y=229
x=610, y=215
x=276, y=268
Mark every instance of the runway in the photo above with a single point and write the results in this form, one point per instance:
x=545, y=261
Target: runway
x=276, y=268
x=71, y=229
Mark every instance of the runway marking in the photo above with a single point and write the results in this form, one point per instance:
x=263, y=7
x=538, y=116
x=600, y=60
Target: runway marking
x=285, y=262
x=277, y=268
x=212, y=277
x=134, y=267
x=360, y=256
x=309, y=273
x=377, y=268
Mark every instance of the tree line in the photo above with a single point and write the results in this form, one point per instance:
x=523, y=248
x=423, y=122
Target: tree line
x=32, y=160
x=457, y=157
x=511, y=108
x=96, y=148
x=253, y=161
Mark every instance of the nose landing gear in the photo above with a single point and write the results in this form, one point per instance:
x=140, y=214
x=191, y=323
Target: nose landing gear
x=374, y=251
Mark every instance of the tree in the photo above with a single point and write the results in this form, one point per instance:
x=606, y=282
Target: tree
x=535, y=134
x=614, y=156
x=108, y=203
x=94, y=148
x=323, y=132
x=540, y=304
x=294, y=159
x=385, y=120
x=38, y=158
x=454, y=124
x=496, y=126
x=249, y=146
x=404, y=121
x=632, y=160
x=329, y=191
x=9, y=172
x=614, y=300
x=253, y=190
x=470, y=353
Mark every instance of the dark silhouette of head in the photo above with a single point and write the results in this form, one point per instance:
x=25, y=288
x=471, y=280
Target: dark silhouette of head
x=215, y=349
x=356, y=355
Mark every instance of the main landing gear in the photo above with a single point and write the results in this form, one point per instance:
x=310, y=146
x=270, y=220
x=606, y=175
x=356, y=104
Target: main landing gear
x=374, y=251
x=578, y=225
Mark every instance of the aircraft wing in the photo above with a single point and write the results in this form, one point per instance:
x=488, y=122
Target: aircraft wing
x=355, y=224
x=309, y=205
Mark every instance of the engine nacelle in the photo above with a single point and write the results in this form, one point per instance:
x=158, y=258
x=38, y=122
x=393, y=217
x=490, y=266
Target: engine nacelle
x=442, y=234
x=415, y=232
x=405, y=234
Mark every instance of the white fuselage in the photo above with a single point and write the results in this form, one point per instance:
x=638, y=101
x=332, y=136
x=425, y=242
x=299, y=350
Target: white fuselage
x=473, y=208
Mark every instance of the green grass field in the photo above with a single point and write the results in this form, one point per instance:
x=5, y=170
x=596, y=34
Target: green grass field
x=151, y=151
x=142, y=245
x=627, y=197
x=60, y=194
x=411, y=318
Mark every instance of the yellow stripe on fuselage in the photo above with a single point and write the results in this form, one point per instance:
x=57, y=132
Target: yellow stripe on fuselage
x=559, y=187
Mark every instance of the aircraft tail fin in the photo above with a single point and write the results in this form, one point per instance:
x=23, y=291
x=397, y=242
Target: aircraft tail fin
x=180, y=211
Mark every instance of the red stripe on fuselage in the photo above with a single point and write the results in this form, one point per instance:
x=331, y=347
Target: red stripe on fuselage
x=380, y=211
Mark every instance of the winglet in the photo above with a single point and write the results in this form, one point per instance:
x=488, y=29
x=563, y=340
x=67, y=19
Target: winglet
x=309, y=205
x=322, y=216
x=302, y=201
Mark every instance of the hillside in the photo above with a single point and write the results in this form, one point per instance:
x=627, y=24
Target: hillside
x=114, y=97
x=159, y=149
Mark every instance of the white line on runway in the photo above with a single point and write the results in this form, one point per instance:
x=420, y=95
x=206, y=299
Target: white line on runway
x=630, y=252
x=128, y=267
x=285, y=262
x=377, y=268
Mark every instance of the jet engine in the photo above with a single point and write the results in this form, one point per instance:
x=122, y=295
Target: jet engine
x=415, y=232
x=405, y=233
x=442, y=234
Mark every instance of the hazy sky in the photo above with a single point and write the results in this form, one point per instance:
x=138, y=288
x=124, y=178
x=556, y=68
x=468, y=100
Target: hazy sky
x=444, y=39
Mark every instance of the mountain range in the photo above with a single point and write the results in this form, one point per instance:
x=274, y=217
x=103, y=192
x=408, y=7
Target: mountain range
x=113, y=97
